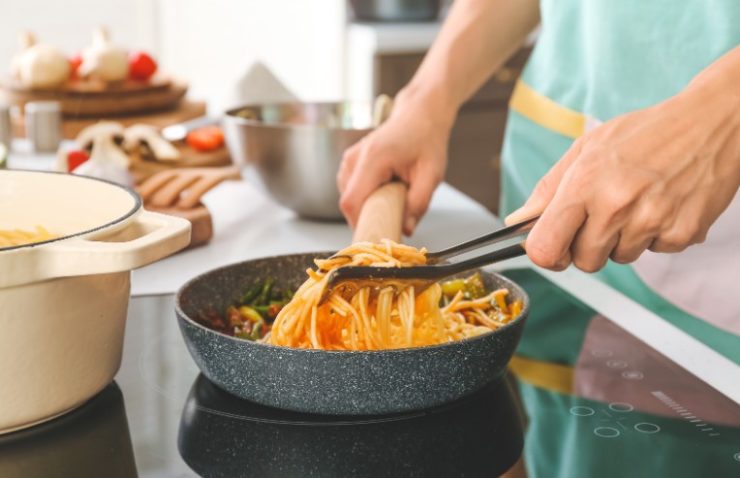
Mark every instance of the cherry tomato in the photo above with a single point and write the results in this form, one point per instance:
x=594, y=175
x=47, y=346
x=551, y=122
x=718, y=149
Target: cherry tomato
x=141, y=66
x=75, y=158
x=74, y=64
x=207, y=138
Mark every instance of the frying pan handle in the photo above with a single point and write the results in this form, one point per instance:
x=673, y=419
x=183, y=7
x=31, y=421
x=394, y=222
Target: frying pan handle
x=382, y=214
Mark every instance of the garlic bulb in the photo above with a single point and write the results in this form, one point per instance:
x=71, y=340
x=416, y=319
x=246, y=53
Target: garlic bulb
x=39, y=65
x=104, y=61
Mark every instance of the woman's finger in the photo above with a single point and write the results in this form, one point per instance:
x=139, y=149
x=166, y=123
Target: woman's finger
x=592, y=244
x=630, y=249
x=641, y=230
x=366, y=177
x=694, y=217
x=347, y=165
x=421, y=189
x=548, y=244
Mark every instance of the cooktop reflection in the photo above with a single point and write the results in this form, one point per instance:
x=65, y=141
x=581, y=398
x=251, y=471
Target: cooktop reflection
x=223, y=436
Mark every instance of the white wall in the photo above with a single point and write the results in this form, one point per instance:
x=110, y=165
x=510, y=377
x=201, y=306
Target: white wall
x=213, y=43
x=68, y=24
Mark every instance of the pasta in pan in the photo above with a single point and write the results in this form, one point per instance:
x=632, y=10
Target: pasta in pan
x=389, y=317
x=17, y=237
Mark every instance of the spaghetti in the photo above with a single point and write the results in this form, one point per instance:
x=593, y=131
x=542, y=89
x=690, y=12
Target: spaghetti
x=390, y=317
x=17, y=237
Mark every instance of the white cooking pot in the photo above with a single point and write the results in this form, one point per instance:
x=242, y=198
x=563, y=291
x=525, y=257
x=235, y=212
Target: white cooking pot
x=63, y=302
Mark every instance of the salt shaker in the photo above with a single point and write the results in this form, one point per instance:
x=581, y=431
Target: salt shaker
x=44, y=125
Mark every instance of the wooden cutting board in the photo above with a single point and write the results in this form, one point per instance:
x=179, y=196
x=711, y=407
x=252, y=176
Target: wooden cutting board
x=200, y=220
x=97, y=99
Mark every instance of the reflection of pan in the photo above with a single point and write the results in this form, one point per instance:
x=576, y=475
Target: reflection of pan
x=92, y=441
x=221, y=435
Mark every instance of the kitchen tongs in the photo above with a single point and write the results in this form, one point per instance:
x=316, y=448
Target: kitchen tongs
x=438, y=265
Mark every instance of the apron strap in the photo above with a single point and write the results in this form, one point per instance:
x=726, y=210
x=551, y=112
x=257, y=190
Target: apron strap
x=545, y=112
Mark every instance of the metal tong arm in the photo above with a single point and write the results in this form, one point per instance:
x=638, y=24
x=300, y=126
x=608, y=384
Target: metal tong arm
x=437, y=271
x=424, y=273
x=492, y=238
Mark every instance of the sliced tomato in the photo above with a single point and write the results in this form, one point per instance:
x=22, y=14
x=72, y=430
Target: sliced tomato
x=207, y=138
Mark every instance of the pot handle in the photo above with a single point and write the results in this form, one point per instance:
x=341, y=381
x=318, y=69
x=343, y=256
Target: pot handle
x=161, y=235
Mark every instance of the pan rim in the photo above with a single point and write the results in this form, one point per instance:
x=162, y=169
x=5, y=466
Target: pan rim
x=181, y=315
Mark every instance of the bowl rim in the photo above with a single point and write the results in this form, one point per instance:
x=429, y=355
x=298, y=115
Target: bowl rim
x=231, y=115
x=182, y=316
x=136, y=207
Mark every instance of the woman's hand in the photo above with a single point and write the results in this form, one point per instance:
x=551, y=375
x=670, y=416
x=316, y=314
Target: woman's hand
x=411, y=145
x=652, y=179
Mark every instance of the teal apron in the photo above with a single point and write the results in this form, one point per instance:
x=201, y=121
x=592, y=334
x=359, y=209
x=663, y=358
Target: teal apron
x=600, y=59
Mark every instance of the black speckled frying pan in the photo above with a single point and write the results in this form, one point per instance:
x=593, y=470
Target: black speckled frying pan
x=339, y=382
x=335, y=382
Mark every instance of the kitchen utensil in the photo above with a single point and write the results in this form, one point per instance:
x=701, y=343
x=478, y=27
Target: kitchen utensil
x=190, y=158
x=221, y=435
x=296, y=149
x=396, y=10
x=437, y=267
x=182, y=188
x=336, y=382
x=339, y=382
x=44, y=125
x=63, y=302
x=178, y=192
x=179, y=131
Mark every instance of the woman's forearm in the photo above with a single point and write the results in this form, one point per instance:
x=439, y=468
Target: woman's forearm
x=476, y=39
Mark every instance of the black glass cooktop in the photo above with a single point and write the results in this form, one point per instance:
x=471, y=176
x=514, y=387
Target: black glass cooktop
x=610, y=406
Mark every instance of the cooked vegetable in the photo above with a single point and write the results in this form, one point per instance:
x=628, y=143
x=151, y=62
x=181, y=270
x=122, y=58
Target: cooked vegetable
x=207, y=138
x=471, y=287
x=252, y=316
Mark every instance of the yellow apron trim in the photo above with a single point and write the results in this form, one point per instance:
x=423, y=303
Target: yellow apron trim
x=545, y=112
x=550, y=376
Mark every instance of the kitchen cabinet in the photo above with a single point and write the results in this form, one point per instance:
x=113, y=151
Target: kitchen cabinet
x=477, y=136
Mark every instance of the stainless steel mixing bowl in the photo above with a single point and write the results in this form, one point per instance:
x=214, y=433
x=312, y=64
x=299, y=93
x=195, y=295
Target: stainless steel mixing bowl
x=296, y=149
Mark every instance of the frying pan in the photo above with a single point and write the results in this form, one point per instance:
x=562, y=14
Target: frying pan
x=340, y=382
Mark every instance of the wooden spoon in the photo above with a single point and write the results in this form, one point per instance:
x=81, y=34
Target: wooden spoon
x=182, y=188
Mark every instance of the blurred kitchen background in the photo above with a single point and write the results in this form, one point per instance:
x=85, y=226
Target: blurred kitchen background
x=232, y=52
